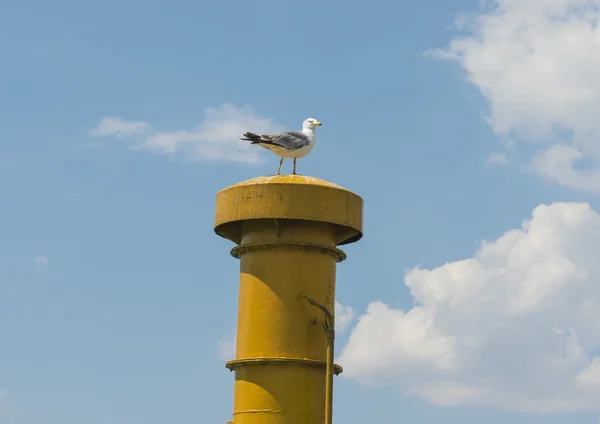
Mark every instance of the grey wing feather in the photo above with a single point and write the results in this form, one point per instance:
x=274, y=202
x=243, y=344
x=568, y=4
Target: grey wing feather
x=291, y=140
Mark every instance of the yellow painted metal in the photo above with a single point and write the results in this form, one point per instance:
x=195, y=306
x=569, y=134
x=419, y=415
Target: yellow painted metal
x=287, y=229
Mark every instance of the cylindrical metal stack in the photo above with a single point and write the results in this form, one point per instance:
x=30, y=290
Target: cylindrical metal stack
x=287, y=229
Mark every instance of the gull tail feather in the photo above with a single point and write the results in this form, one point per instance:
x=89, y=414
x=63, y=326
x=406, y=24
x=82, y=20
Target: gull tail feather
x=254, y=138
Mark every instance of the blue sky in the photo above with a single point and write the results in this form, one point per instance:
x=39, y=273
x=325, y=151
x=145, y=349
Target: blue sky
x=118, y=125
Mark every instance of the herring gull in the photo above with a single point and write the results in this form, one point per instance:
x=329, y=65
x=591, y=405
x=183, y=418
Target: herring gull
x=288, y=144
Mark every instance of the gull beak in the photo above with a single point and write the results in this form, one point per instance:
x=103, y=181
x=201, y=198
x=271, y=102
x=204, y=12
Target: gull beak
x=318, y=124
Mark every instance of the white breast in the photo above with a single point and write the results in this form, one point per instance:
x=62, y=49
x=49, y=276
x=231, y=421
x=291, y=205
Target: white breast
x=303, y=151
x=312, y=139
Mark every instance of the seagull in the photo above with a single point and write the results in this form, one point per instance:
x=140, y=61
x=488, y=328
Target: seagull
x=288, y=144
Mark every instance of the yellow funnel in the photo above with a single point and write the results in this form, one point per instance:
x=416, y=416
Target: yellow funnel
x=287, y=229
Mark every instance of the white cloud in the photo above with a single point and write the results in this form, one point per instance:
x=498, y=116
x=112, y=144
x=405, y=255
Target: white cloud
x=590, y=377
x=343, y=317
x=537, y=63
x=41, y=261
x=514, y=327
x=120, y=128
x=499, y=158
x=216, y=138
x=558, y=163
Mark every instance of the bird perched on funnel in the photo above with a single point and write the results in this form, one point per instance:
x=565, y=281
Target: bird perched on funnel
x=288, y=144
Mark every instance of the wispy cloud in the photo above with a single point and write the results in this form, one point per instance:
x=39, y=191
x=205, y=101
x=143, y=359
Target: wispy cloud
x=94, y=144
x=41, y=261
x=120, y=128
x=216, y=138
x=226, y=347
x=498, y=158
x=343, y=317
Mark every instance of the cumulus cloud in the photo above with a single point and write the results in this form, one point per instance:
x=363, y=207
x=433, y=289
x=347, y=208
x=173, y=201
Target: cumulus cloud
x=41, y=261
x=216, y=138
x=515, y=326
x=537, y=63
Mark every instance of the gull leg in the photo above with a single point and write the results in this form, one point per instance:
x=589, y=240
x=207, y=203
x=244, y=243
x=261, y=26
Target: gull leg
x=279, y=169
x=294, y=172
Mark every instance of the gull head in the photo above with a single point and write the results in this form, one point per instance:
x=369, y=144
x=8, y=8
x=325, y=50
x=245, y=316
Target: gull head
x=311, y=124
